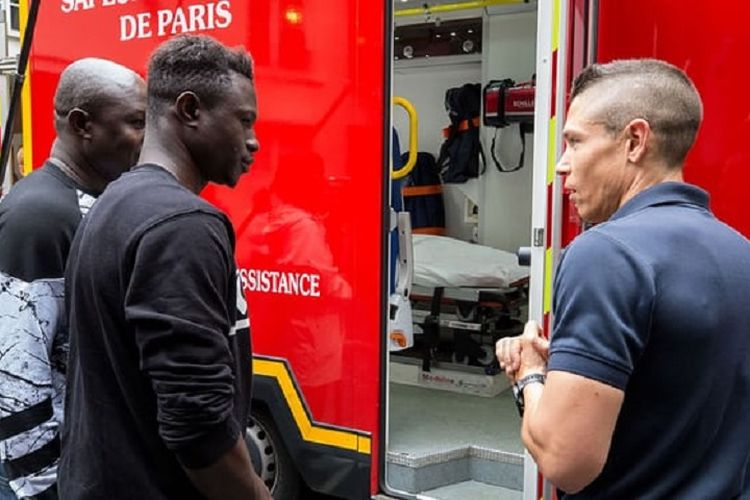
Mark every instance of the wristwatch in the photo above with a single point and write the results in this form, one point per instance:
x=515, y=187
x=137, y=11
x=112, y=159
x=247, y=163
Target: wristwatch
x=538, y=378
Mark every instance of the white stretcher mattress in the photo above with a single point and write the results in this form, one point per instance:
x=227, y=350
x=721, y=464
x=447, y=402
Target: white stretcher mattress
x=447, y=262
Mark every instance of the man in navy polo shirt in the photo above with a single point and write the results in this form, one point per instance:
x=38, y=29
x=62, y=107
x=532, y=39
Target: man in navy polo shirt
x=644, y=391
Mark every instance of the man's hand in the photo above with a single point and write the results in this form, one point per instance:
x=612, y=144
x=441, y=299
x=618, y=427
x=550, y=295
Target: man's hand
x=231, y=477
x=534, y=351
x=508, y=352
x=517, y=363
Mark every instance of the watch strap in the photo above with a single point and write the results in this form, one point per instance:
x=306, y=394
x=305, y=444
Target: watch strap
x=520, y=384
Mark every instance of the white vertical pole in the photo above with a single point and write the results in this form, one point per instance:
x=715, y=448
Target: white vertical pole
x=541, y=155
x=557, y=143
x=550, y=23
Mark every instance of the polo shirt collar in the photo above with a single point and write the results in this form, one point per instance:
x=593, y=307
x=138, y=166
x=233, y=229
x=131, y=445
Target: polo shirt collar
x=661, y=194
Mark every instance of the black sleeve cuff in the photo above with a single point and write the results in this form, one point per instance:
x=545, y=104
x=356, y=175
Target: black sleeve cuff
x=207, y=449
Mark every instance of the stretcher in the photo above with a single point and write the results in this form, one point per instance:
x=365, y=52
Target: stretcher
x=474, y=292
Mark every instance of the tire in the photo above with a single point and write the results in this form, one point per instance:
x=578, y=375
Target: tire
x=270, y=458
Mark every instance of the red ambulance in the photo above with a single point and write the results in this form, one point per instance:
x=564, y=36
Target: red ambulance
x=312, y=217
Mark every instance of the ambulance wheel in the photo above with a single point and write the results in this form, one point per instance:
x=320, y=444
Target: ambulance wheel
x=270, y=458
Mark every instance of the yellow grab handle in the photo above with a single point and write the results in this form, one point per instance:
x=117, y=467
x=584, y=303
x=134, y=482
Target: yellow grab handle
x=406, y=169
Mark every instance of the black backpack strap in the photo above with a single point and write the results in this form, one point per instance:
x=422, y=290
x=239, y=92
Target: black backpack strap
x=484, y=159
x=444, y=155
x=522, y=132
x=479, y=150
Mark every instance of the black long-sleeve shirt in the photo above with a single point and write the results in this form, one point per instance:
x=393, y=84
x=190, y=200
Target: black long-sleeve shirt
x=159, y=368
x=38, y=218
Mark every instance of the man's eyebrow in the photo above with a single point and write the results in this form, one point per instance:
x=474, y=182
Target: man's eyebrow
x=569, y=130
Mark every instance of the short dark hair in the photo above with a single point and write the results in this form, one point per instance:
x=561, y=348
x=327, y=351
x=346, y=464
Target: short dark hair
x=195, y=63
x=652, y=90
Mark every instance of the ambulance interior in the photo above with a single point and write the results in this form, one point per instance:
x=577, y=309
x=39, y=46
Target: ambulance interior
x=453, y=429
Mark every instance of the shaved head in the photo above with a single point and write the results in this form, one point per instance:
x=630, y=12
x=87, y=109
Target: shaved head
x=91, y=83
x=100, y=109
x=661, y=94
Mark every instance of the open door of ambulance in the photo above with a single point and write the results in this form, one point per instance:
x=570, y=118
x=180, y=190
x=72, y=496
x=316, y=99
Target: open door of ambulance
x=473, y=450
x=714, y=61
x=452, y=428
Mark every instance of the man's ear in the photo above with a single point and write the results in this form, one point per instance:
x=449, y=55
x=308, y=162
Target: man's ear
x=638, y=133
x=187, y=108
x=79, y=122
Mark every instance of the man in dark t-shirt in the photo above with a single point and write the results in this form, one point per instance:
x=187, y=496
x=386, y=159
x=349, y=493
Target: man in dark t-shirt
x=99, y=118
x=159, y=380
x=647, y=390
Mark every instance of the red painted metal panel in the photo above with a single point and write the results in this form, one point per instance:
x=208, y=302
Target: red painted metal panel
x=577, y=46
x=308, y=215
x=710, y=42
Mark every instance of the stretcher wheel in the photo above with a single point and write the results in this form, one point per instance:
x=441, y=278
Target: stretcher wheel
x=486, y=358
x=459, y=359
x=488, y=355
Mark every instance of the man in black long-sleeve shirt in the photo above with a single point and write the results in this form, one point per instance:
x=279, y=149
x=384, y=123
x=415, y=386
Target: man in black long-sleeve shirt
x=159, y=368
x=99, y=110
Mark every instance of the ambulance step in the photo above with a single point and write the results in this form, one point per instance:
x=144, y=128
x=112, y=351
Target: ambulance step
x=475, y=490
x=471, y=464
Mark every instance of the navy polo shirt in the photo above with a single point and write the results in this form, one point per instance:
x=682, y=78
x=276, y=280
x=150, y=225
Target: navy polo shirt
x=655, y=302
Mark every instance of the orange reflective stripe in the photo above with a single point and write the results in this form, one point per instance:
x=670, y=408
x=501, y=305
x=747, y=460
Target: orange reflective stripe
x=462, y=127
x=421, y=190
x=434, y=231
